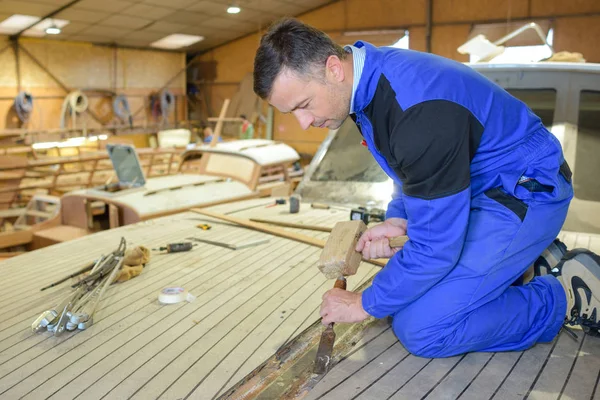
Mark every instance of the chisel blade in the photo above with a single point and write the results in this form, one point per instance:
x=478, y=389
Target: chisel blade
x=323, y=359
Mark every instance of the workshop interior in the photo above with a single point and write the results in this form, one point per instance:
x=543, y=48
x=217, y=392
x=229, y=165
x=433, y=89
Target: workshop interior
x=166, y=233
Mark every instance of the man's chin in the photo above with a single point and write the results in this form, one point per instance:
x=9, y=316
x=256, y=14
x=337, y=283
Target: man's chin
x=333, y=125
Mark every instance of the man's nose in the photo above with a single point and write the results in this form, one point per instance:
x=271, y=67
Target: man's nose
x=304, y=118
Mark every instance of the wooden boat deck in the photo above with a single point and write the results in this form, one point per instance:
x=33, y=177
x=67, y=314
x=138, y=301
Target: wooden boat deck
x=249, y=303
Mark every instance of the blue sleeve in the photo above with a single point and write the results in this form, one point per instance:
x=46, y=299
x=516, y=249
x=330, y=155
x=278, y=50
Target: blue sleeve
x=395, y=208
x=437, y=234
x=433, y=152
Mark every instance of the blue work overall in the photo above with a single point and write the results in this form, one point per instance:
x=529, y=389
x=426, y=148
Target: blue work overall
x=484, y=188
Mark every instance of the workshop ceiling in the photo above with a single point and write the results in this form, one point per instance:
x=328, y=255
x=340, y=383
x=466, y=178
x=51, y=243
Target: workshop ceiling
x=138, y=23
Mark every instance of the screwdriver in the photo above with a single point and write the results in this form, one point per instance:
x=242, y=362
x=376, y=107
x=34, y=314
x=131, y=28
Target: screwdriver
x=176, y=247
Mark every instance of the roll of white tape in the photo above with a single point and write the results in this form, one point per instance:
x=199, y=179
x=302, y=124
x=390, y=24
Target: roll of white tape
x=173, y=295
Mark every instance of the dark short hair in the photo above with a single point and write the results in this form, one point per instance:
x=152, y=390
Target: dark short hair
x=291, y=44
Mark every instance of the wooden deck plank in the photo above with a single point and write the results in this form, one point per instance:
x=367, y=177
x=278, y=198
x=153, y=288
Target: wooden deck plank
x=169, y=325
x=375, y=343
x=582, y=241
x=550, y=381
x=491, y=376
x=161, y=314
x=568, y=238
x=583, y=376
x=431, y=375
x=464, y=373
x=522, y=375
x=155, y=270
x=131, y=328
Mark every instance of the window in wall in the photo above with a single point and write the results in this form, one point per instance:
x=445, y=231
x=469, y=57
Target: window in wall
x=541, y=101
x=587, y=153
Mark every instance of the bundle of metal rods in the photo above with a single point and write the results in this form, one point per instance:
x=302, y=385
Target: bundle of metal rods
x=76, y=310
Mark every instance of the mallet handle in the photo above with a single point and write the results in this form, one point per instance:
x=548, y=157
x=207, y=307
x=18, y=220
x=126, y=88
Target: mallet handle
x=340, y=283
x=398, y=241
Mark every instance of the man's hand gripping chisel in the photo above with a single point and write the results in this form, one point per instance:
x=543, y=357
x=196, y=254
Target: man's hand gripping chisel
x=327, y=339
x=338, y=260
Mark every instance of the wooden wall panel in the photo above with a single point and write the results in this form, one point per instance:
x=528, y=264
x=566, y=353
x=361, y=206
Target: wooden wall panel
x=417, y=38
x=473, y=10
x=287, y=129
x=446, y=39
x=86, y=67
x=235, y=60
x=330, y=17
x=561, y=7
x=384, y=13
x=147, y=69
x=77, y=65
x=578, y=34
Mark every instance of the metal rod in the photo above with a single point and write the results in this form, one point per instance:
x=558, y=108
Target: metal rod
x=17, y=64
x=428, y=25
x=73, y=275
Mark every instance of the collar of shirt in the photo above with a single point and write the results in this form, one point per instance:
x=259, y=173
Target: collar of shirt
x=358, y=54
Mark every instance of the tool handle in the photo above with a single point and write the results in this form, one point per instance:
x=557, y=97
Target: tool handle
x=177, y=247
x=340, y=283
x=320, y=206
x=398, y=241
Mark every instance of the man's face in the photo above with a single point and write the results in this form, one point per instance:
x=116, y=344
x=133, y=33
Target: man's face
x=322, y=103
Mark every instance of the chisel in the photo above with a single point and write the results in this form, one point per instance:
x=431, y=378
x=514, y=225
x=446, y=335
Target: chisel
x=323, y=360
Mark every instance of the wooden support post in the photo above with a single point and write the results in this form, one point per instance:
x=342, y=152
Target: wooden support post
x=148, y=172
x=170, y=162
x=91, y=177
x=113, y=216
x=89, y=214
x=219, y=127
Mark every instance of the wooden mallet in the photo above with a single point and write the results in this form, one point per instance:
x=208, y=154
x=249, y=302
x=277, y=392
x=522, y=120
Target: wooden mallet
x=339, y=257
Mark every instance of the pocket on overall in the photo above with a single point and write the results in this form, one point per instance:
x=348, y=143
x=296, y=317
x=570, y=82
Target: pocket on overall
x=518, y=207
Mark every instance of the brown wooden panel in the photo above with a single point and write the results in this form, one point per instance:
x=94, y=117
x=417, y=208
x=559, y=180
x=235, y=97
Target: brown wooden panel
x=477, y=10
x=578, y=34
x=561, y=7
x=329, y=17
x=417, y=39
x=446, y=39
x=363, y=14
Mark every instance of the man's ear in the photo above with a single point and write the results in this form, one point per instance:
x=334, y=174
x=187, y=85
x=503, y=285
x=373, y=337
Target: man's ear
x=335, y=69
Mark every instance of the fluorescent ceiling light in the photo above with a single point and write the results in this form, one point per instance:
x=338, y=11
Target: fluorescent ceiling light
x=53, y=30
x=16, y=23
x=233, y=10
x=176, y=41
x=47, y=26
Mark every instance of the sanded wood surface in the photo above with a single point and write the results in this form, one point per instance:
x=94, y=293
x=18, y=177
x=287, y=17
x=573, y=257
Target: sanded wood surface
x=249, y=303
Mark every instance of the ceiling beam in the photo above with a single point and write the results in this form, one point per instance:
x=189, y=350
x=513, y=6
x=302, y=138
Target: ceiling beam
x=52, y=14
